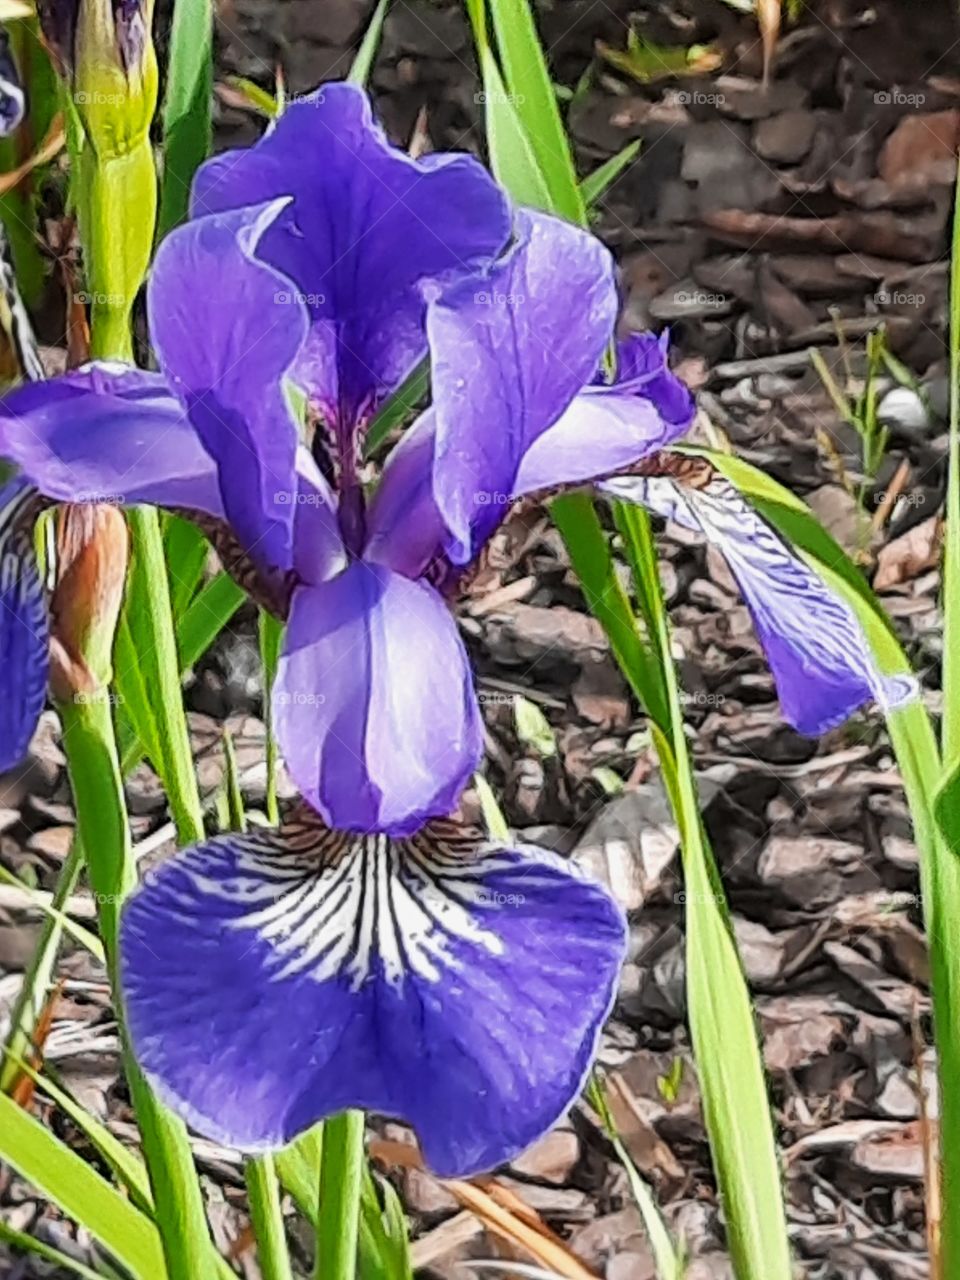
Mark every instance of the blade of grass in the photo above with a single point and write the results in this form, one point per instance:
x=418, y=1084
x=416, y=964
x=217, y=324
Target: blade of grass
x=721, y=1016
x=149, y=679
x=950, y=728
x=341, y=1178
x=47, y=904
x=102, y=827
x=128, y=1168
x=915, y=747
x=531, y=87
x=39, y=973
x=187, y=107
x=384, y=1251
x=27, y=1244
x=668, y=1259
x=722, y=1024
x=593, y=187
x=266, y=1213
x=271, y=638
x=66, y=1179
x=366, y=54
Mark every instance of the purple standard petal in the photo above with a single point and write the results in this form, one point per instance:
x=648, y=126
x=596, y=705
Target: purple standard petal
x=225, y=335
x=366, y=226
x=373, y=704
x=318, y=551
x=108, y=433
x=508, y=355
x=405, y=530
x=24, y=638
x=460, y=987
x=817, y=651
x=609, y=428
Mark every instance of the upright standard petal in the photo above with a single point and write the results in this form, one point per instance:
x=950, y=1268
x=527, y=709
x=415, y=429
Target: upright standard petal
x=269, y=983
x=24, y=637
x=108, y=433
x=405, y=529
x=816, y=648
x=366, y=226
x=373, y=704
x=226, y=333
x=508, y=355
x=608, y=428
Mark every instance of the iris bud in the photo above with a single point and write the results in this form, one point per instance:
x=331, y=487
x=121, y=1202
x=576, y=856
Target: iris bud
x=106, y=53
x=91, y=565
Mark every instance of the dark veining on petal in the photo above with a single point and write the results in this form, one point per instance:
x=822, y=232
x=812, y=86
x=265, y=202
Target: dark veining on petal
x=272, y=591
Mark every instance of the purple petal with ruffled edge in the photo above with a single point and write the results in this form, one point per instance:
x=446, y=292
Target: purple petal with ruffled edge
x=366, y=226
x=268, y=985
x=225, y=335
x=817, y=651
x=606, y=429
x=108, y=433
x=508, y=355
x=609, y=428
x=373, y=704
x=24, y=636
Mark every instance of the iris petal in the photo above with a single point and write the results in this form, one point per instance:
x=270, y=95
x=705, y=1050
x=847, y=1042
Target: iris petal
x=608, y=428
x=24, y=637
x=225, y=334
x=108, y=433
x=373, y=704
x=366, y=226
x=508, y=355
x=461, y=988
x=815, y=646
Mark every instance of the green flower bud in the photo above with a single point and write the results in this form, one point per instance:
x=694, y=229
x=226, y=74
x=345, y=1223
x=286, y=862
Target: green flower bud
x=106, y=52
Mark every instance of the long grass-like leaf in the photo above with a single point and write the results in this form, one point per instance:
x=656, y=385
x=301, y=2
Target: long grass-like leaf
x=187, y=107
x=366, y=54
x=341, y=1178
x=263, y=1191
x=67, y=1180
x=27, y=1244
x=930, y=799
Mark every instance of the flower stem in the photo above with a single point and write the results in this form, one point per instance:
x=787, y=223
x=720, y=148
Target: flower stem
x=341, y=1178
x=90, y=748
x=263, y=1192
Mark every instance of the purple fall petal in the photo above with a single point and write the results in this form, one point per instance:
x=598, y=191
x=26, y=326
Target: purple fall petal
x=268, y=985
x=817, y=651
x=373, y=705
x=367, y=224
x=108, y=433
x=24, y=637
x=508, y=355
x=225, y=335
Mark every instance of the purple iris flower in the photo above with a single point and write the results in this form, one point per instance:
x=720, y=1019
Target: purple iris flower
x=371, y=953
